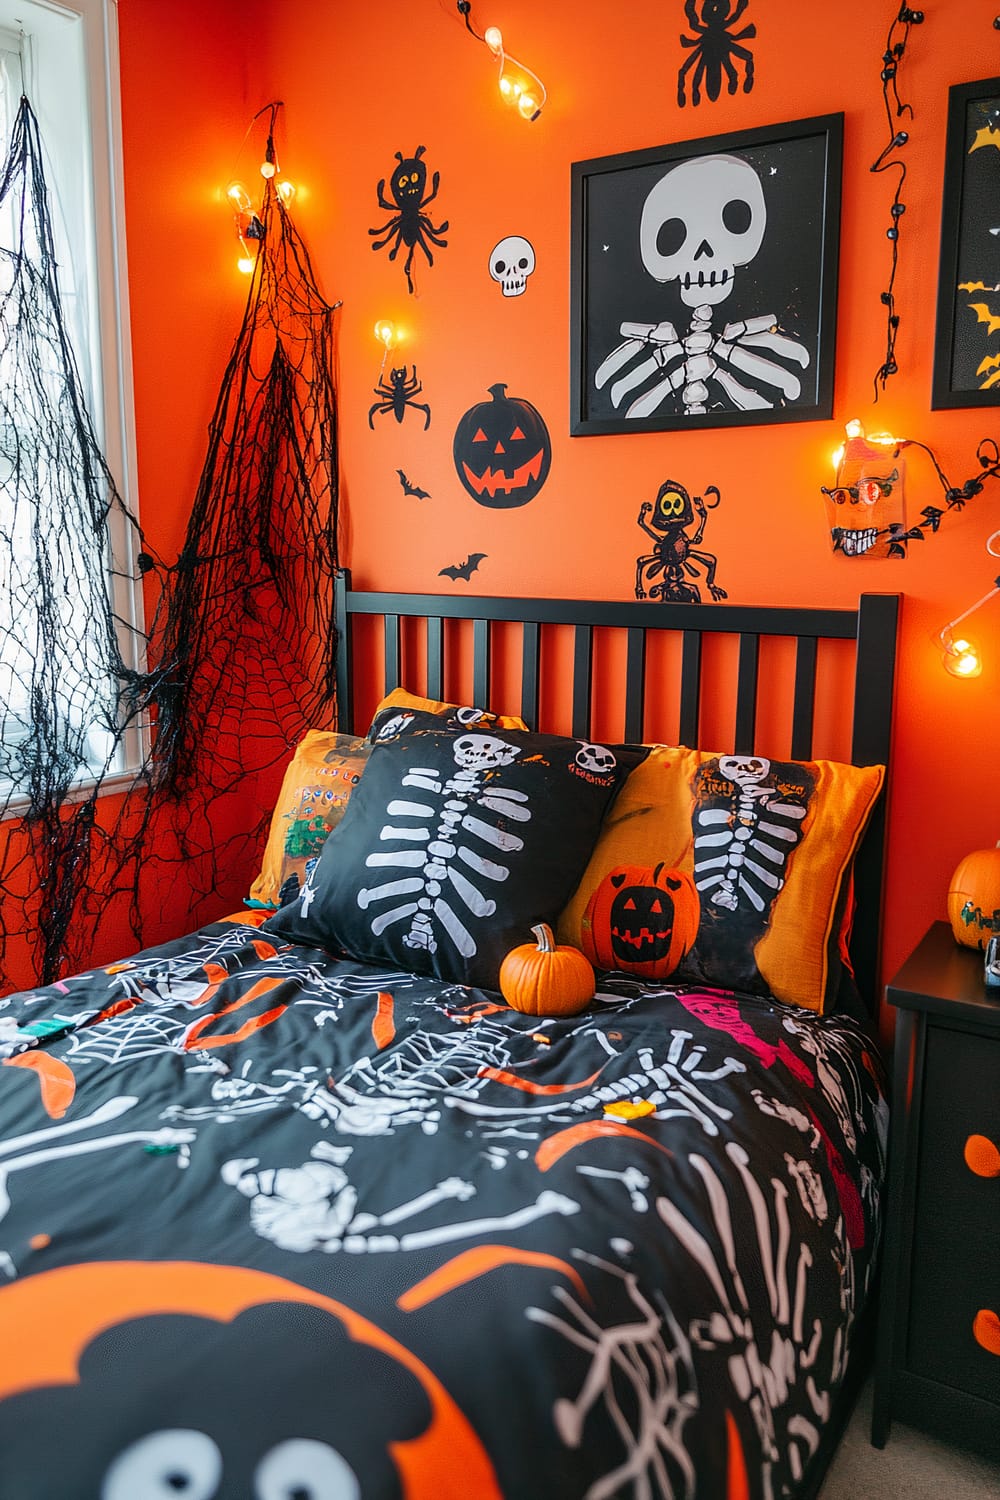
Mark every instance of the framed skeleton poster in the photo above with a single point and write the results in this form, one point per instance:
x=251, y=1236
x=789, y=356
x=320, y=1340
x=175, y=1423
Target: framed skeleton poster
x=967, y=343
x=704, y=281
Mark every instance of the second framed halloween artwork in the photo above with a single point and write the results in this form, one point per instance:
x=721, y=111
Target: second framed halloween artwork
x=704, y=281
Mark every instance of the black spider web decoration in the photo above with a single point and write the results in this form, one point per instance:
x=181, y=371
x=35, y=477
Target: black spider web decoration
x=68, y=696
x=242, y=636
x=249, y=631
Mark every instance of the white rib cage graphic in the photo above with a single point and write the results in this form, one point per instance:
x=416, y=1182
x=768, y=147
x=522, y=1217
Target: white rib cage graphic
x=458, y=840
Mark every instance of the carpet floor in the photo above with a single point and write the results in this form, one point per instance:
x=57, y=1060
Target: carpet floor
x=912, y=1466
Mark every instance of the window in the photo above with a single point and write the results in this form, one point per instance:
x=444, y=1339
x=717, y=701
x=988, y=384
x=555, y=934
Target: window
x=63, y=56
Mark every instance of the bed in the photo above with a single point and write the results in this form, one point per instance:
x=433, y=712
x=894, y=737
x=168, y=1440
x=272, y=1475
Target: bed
x=298, y=1206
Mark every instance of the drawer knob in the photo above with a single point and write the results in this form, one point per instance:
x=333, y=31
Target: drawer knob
x=986, y=1330
x=982, y=1156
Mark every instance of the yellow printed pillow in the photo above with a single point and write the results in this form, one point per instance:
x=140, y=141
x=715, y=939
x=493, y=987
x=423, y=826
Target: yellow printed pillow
x=321, y=776
x=400, y=711
x=769, y=845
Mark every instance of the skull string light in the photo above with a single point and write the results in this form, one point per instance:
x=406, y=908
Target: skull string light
x=700, y=223
x=891, y=58
x=519, y=86
x=865, y=504
x=249, y=223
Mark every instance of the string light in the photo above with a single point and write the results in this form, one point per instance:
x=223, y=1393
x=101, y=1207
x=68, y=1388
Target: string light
x=389, y=336
x=249, y=224
x=519, y=86
x=960, y=654
x=891, y=58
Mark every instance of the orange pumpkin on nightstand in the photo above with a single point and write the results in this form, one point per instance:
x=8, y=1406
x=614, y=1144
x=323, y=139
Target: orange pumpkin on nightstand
x=974, y=898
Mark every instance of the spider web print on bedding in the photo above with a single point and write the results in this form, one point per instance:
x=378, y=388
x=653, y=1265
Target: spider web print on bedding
x=242, y=628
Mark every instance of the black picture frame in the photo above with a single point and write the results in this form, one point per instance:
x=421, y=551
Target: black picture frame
x=792, y=278
x=966, y=370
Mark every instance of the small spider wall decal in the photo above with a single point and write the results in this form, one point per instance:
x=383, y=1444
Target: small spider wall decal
x=714, y=47
x=396, y=394
x=409, y=225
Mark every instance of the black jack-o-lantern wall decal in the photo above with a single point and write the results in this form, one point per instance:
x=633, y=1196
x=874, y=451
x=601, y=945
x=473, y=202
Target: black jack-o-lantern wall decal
x=502, y=450
x=674, y=552
x=408, y=224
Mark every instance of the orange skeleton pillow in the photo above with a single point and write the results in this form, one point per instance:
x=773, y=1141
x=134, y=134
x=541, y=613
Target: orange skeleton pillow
x=769, y=847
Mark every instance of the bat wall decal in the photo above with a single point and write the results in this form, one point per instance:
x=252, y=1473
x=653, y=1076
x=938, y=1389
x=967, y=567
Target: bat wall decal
x=412, y=489
x=463, y=570
x=985, y=315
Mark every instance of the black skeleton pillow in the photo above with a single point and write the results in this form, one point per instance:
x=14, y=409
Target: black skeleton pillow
x=454, y=845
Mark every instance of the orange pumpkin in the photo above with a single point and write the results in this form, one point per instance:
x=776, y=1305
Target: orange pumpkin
x=545, y=978
x=974, y=898
x=641, y=920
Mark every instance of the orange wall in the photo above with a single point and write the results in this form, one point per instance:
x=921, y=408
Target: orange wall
x=360, y=82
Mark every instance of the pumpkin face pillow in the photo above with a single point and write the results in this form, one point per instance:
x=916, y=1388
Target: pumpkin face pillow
x=726, y=870
x=455, y=845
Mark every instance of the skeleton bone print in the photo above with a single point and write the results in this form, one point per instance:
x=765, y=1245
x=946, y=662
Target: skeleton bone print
x=664, y=1220
x=455, y=805
x=747, y=822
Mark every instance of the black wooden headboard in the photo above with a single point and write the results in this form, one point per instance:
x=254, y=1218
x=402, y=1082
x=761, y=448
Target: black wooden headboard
x=415, y=624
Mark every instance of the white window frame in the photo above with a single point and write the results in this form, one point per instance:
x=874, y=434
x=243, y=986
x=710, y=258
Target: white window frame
x=70, y=66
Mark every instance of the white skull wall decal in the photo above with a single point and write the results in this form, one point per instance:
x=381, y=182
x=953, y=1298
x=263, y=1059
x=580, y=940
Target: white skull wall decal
x=512, y=260
x=700, y=223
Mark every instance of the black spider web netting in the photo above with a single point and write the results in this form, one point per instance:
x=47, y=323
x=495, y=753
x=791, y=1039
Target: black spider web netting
x=238, y=659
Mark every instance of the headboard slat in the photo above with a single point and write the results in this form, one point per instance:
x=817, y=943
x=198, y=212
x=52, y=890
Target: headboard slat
x=530, y=661
x=481, y=663
x=804, y=701
x=391, y=648
x=435, y=657
x=746, y=694
x=635, y=685
x=583, y=670
x=690, y=695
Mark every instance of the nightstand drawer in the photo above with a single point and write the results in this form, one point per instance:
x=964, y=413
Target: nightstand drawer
x=955, y=1266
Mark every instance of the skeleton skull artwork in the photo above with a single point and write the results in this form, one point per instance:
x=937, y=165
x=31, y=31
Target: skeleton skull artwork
x=511, y=263
x=701, y=220
x=596, y=758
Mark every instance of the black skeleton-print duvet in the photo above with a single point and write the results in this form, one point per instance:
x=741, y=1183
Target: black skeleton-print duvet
x=273, y=1225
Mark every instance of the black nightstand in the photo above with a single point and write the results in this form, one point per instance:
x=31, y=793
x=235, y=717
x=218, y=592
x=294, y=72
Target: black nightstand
x=938, y=1352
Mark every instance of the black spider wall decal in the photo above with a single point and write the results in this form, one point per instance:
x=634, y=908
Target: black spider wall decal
x=674, y=551
x=714, y=47
x=409, y=225
x=396, y=394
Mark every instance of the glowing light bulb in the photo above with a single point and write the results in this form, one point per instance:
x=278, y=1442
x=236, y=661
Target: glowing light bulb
x=528, y=106
x=837, y=458
x=246, y=264
x=385, y=332
x=493, y=38
x=285, y=190
x=238, y=197
x=267, y=169
x=961, y=658
x=854, y=429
